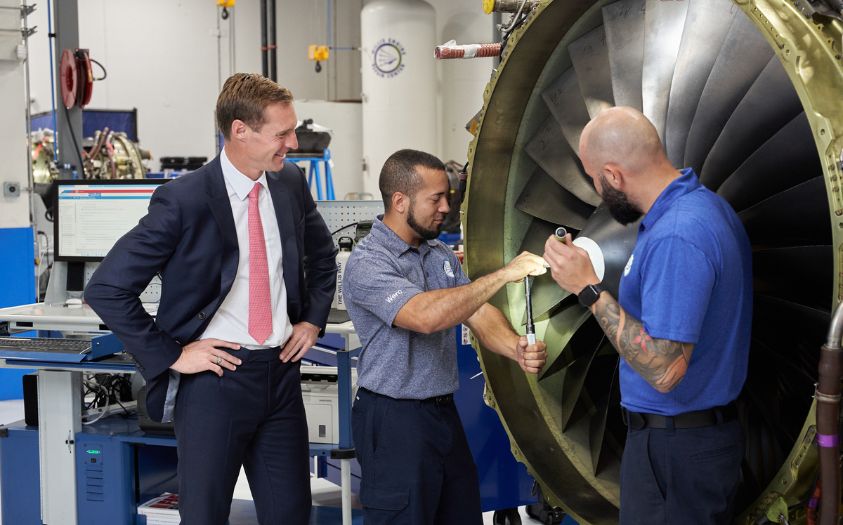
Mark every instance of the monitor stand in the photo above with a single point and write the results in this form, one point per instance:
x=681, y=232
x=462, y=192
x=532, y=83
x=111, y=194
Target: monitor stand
x=75, y=278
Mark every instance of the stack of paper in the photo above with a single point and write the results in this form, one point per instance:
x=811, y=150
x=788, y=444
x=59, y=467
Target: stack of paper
x=161, y=510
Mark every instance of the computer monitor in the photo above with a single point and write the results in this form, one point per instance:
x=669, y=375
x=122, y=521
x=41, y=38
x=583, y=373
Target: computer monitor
x=91, y=215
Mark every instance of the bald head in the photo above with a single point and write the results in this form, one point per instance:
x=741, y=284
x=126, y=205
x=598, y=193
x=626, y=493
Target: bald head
x=622, y=136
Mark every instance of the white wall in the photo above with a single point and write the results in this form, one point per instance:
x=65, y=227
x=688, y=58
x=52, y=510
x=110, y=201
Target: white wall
x=162, y=58
x=14, y=211
x=302, y=22
x=461, y=82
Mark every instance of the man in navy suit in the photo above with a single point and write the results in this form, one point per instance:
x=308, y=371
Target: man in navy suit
x=248, y=272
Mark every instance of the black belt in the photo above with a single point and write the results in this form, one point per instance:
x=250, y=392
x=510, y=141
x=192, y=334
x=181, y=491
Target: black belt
x=436, y=400
x=697, y=419
x=447, y=399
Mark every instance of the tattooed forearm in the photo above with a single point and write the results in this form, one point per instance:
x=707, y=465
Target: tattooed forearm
x=661, y=362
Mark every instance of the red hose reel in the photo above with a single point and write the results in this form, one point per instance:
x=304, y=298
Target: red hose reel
x=77, y=78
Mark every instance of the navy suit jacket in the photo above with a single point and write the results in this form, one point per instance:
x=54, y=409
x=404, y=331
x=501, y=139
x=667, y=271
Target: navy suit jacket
x=189, y=239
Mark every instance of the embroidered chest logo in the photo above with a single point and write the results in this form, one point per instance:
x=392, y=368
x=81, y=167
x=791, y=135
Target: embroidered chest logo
x=628, y=266
x=448, y=270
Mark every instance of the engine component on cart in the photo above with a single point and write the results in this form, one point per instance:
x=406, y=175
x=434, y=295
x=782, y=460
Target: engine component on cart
x=113, y=156
x=108, y=155
x=312, y=138
x=44, y=169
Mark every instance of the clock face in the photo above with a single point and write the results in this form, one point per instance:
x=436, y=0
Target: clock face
x=388, y=58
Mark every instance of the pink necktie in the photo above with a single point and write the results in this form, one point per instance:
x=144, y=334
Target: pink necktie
x=260, y=304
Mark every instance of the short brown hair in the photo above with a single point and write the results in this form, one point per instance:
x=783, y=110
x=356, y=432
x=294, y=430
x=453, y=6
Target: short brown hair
x=244, y=96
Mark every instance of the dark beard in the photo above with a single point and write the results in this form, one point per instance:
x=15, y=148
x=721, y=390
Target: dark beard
x=619, y=206
x=422, y=232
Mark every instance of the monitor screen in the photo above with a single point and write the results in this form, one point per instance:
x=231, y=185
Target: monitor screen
x=91, y=215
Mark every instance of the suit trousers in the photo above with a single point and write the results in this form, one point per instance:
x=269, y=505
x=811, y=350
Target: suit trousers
x=416, y=467
x=689, y=476
x=252, y=417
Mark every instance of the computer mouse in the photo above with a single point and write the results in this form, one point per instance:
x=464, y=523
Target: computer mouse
x=73, y=302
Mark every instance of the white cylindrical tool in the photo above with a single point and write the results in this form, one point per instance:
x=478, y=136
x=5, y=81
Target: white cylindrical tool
x=345, y=244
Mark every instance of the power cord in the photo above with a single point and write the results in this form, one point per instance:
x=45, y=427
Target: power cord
x=104, y=72
x=81, y=171
x=344, y=227
x=106, y=390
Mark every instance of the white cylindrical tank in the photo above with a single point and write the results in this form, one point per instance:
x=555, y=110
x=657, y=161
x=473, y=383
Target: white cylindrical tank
x=398, y=80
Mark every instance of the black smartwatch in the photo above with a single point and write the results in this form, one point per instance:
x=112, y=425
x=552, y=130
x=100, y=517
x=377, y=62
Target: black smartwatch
x=589, y=295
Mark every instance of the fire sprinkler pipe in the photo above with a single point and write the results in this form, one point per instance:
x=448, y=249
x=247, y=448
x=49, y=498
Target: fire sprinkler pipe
x=264, y=55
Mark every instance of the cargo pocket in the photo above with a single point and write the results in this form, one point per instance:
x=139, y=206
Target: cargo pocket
x=385, y=498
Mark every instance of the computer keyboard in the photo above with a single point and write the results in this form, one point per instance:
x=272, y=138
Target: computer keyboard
x=46, y=344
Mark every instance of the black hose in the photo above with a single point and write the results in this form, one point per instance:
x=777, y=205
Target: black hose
x=264, y=55
x=81, y=171
x=273, y=60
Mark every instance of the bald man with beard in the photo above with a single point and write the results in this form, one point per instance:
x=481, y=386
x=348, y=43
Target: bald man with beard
x=681, y=324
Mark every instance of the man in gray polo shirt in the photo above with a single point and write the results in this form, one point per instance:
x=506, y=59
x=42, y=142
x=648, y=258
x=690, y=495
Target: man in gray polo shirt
x=405, y=293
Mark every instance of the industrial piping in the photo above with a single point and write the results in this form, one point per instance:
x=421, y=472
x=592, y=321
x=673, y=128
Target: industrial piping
x=264, y=56
x=828, y=420
x=273, y=57
x=453, y=50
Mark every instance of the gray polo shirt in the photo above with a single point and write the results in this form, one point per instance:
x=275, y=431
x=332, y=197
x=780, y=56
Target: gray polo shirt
x=382, y=274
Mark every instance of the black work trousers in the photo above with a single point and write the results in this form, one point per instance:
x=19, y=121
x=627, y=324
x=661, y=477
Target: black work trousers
x=681, y=476
x=253, y=417
x=416, y=466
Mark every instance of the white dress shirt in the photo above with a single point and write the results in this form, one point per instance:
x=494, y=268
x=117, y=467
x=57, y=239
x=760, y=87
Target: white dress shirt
x=231, y=321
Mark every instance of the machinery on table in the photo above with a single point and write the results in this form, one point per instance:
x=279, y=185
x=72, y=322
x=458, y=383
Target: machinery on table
x=748, y=93
x=112, y=155
x=107, y=155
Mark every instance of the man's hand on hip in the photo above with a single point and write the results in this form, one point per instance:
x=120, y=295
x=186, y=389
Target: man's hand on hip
x=531, y=358
x=303, y=338
x=206, y=354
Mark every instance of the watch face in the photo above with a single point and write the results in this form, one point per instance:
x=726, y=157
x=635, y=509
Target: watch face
x=388, y=58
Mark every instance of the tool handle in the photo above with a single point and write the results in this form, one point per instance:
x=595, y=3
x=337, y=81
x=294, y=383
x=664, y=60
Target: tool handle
x=560, y=233
x=531, y=339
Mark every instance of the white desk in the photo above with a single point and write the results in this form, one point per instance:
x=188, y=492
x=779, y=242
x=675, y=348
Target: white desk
x=47, y=316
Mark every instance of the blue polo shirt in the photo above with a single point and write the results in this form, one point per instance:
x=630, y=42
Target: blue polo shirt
x=689, y=279
x=382, y=274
